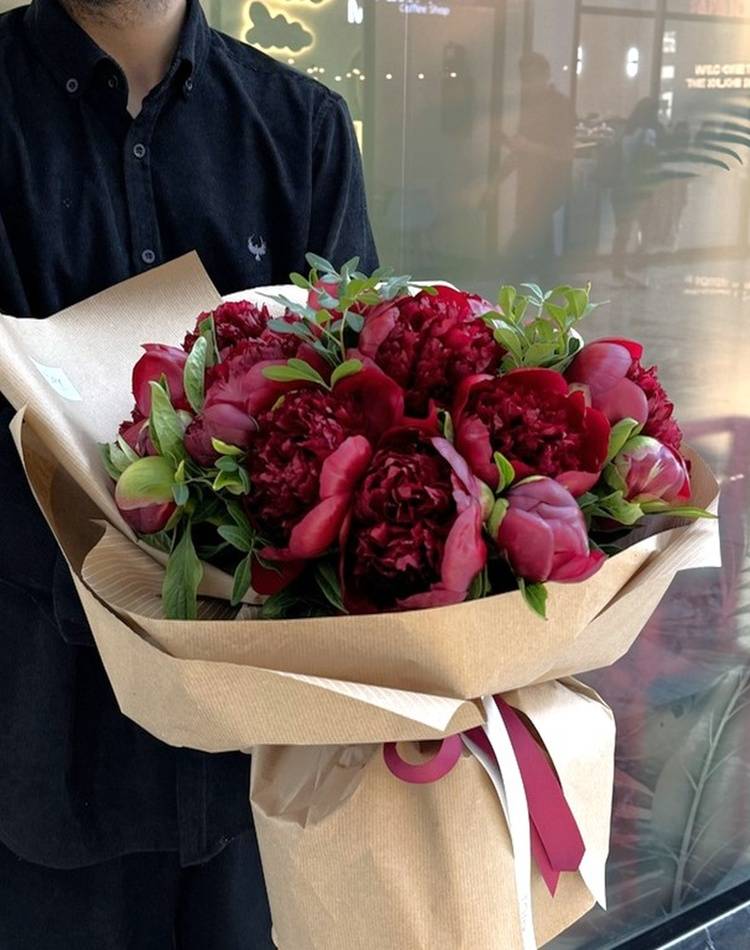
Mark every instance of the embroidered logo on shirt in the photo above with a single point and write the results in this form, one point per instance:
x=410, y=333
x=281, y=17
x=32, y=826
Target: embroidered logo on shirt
x=258, y=247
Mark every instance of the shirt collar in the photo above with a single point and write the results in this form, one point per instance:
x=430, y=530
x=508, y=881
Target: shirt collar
x=73, y=56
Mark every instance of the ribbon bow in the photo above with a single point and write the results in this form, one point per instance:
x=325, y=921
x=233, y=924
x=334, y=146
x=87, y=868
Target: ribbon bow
x=539, y=818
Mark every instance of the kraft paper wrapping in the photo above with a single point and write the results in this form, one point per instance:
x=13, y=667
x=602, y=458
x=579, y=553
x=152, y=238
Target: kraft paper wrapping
x=332, y=820
x=392, y=676
x=340, y=837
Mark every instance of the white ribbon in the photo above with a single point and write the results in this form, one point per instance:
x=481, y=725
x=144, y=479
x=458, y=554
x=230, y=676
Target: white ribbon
x=506, y=779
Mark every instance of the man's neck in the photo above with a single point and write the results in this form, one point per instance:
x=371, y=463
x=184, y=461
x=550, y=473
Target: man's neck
x=140, y=35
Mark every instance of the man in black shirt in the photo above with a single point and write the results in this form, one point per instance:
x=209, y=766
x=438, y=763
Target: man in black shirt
x=130, y=133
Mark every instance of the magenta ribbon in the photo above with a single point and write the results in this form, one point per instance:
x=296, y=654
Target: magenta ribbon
x=556, y=841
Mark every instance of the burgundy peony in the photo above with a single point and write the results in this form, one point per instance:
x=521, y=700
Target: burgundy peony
x=543, y=534
x=135, y=433
x=621, y=388
x=143, y=494
x=531, y=418
x=308, y=455
x=414, y=535
x=220, y=420
x=159, y=360
x=428, y=344
x=652, y=471
x=234, y=321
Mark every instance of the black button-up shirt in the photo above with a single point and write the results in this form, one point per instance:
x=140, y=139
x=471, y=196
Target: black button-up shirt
x=249, y=163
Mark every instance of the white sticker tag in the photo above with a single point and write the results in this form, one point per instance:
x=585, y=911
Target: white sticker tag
x=59, y=381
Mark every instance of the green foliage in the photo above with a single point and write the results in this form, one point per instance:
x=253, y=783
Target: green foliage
x=182, y=579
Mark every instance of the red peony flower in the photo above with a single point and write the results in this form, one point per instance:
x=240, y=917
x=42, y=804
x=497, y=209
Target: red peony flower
x=428, y=344
x=543, y=534
x=308, y=455
x=414, y=535
x=652, y=471
x=159, y=360
x=621, y=388
x=234, y=321
x=530, y=417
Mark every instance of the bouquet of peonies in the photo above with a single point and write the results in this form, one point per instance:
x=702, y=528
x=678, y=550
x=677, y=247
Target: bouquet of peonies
x=373, y=449
x=370, y=531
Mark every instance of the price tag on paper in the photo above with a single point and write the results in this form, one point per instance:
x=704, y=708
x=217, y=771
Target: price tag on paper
x=59, y=381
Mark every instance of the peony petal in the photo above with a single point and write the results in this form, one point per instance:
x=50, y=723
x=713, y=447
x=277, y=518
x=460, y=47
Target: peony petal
x=267, y=581
x=578, y=483
x=600, y=365
x=540, y=380
x=528, y=544
x=319, y=529
x=473, y=443
x=344, y=467
x=624, y=400
x=465, y=552
x=381, y=398
x=463, y=391
x=459, y=465
x=377, y=326
x=437, y=596
x=577, y=568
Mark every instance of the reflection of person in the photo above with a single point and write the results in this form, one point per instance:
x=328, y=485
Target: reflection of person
x=541, y=153
x=636, y=150
x=132, y=133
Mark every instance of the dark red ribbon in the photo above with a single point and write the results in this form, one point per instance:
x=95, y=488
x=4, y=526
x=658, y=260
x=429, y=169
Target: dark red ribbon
x=556, y=842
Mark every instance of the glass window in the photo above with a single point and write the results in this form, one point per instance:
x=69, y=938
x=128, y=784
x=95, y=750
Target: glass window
x=717, y=8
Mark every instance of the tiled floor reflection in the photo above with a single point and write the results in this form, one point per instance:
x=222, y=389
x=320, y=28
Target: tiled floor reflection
x=681, y=825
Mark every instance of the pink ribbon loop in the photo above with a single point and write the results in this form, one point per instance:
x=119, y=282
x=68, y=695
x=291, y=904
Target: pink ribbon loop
x=423, y=773
x=556, y=841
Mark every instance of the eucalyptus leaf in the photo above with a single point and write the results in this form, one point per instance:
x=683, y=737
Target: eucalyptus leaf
x=236, y=536
x=113, y=470
x=180, y=493
x=320, y=263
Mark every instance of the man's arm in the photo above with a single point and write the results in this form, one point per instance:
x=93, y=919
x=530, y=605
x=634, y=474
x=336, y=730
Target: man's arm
x=339, y=225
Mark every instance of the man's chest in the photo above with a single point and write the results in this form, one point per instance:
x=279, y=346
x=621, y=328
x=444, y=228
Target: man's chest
x=93, y=201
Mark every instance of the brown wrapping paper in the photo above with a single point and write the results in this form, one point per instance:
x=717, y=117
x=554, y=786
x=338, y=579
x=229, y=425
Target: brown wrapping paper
x=426, y=866
x=340, y=836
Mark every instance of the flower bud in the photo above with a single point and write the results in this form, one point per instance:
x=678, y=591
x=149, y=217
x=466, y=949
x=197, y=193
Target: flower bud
x=144, y=494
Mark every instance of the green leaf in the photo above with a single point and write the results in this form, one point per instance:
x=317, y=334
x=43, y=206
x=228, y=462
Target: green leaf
x=181, y=580
x=539, y=353
x=506, y=472
x=296, y=328
x=299, y=281
x=510, y=340
x=238, y=537
x=126, y=450
x=615, y=480
x=616, y=507
x=232, y=481
x=112, y=470
x=278, y=605
x=681, y=511
x=355, y=321
x=207, y=330
x=241, y=582
x=146, y=481
x=535, y=596
x=621, y=432
x=506, y=299
x=347, y=368
x=227, y=463
x=320, y=263
x=223, y=448
x=578, y=300
x=194, y=373
x=328, y=582
x=165, y=427
x=294, y=370
x=446, y=424
x=480, y=586
x=180, y=493
x=499, y=510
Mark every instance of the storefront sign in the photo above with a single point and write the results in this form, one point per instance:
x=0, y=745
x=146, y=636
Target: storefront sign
x=419, y=8
x=719, y=76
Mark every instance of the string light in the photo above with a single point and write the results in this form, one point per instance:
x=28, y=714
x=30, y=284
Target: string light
x=453, y=75
x=420, y=75
x=389, y=75
x=356, y=71
x=337, y=78
x=291, y=61
x=362, y=77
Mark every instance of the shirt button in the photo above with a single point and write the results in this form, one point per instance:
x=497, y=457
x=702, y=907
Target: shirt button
x=72, y=85
x=148, y=256
x=139, y=150
x=112, y=82
x=188, y=85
